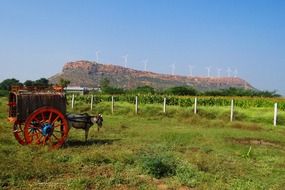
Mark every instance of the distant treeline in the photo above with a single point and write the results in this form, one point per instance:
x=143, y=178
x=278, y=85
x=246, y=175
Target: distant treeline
x=185, y=91
x=190, y=91
x=106, y=88
x=6, y=84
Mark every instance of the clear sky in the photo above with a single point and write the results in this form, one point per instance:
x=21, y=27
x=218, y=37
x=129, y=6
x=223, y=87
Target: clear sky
x=245, y=36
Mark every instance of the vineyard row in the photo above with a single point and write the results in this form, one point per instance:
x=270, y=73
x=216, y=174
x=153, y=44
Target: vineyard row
x=186, y=101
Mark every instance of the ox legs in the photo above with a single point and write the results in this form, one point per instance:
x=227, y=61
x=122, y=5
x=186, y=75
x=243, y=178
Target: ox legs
x=86, y=133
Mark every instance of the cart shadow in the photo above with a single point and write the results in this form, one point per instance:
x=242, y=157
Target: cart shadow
x=90, y=142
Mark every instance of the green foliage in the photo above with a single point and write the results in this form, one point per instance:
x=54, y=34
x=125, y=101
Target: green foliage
x=97, y=159
x=159, y=166
x=188, y=174
x=42, y=82
x=4, y=93
x=6, y=84
x=107, y=89
x=80, y=183
x=182, y=150
x=104, y=83
x=241, y=92
x=165, y=165
x=181, y=91
x=187, y=101
x=113, y=90
x=143, y=90
x=64, y=82
x=28, y=83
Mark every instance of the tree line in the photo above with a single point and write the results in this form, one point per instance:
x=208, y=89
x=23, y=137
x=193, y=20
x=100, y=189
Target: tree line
x=6, y=84
x=106, y=88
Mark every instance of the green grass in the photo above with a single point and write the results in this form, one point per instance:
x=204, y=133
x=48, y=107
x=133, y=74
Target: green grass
x=152, y=150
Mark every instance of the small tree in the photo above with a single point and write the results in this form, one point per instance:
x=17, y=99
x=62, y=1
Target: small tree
x=29, y=83
x=144, y=90
x=6, y=84
x=113, y=90
x=182, y=91
x=104, y=83
x=63, y=82
x=42, y=82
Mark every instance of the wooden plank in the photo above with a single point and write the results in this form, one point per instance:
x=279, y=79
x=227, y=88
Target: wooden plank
x=28, y=103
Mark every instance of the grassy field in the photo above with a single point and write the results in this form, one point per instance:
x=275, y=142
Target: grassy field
x=153, y=150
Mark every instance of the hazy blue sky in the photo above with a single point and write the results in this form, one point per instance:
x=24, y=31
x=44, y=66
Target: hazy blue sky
x=38, y=37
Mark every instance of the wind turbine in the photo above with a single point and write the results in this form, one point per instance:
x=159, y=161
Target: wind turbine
x=125, y=57
x=209, y=70
x=219, y=72
x=145, y=61
x=235, y=73
x=172, y=69
x=245, y=85
x=97, y=56
x=229, y=72
x=191, y=70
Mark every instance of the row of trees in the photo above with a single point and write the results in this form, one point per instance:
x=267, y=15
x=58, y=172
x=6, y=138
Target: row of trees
x=106, y=88
x=6, y=84
x=42, y=82
x=186, y=91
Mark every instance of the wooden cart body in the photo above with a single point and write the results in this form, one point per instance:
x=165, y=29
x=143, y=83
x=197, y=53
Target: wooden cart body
x=38, y=115
x=23, y=103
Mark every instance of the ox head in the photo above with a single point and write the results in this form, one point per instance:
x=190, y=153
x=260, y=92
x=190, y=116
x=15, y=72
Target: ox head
x=98, y=120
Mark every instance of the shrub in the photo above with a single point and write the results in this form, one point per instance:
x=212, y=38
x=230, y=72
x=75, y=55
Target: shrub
x=159, y=166
x=182, y=91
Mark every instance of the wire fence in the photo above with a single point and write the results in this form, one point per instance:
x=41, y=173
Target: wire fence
x=234, y=103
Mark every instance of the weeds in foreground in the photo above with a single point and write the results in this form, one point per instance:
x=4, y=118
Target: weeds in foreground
x=173, y=150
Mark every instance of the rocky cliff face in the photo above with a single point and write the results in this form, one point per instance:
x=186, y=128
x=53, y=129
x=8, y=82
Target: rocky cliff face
x=89, y=74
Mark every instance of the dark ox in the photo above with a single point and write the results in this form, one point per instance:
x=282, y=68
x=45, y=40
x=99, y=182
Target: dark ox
x=84, y=121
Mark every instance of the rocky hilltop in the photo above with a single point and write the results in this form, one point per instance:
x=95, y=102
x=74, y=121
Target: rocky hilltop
x=89, y=74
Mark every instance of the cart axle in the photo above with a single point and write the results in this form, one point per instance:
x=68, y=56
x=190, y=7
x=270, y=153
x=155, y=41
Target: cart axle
x=47, y=129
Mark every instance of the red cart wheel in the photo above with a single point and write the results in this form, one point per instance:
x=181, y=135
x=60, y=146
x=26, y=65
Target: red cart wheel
x=18, y=130
x=46, y=125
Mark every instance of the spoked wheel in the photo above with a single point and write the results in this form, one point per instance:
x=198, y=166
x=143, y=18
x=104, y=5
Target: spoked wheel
x=18, y=131
x=46, y=126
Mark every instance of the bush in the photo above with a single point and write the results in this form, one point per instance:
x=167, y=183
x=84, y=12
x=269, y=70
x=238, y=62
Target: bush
x=143, y=90
x=113, y=90
x=159, y=166
x=241, y=92
x=182, y=91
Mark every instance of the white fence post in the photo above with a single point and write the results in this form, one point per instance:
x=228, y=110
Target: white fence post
x=275, y=115
x=136, y=108
x=112, y=107
x=232, y=110
x=91, y=106
x=72, y=101
x=195, y=105
x=164, y=105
